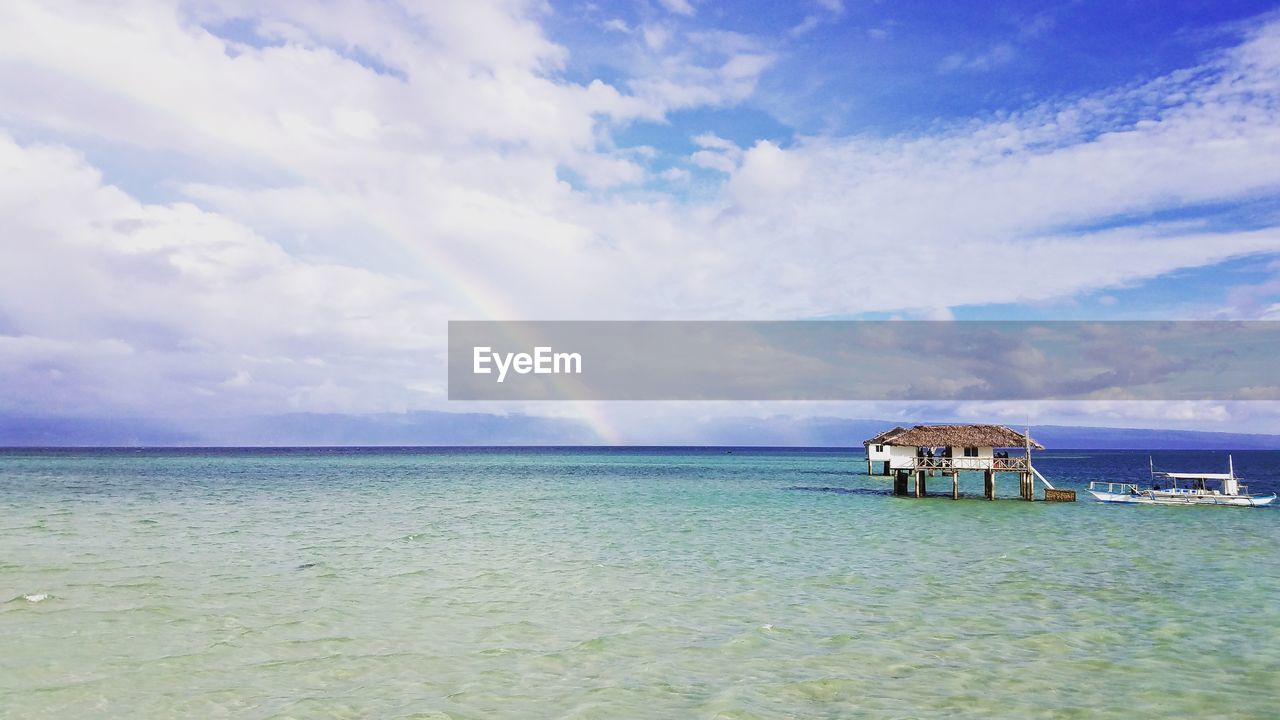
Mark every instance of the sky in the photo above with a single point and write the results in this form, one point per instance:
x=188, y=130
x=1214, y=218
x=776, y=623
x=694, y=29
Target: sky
x=241, y=209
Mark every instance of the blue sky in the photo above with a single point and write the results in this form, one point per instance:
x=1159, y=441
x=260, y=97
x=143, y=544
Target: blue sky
x=232, y=209
x=886, y=68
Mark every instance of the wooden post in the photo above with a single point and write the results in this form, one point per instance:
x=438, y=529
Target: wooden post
x=920, y=488
x=900, y=483
x=989, y=484
x=886, y=468
x=955, y=484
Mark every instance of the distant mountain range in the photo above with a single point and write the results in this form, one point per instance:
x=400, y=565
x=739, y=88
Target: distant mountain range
x=441, y=428
x=837, y=432
x=296, y=429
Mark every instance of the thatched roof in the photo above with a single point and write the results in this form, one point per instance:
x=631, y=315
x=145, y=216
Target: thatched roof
x=954, y=436
x=884, y=436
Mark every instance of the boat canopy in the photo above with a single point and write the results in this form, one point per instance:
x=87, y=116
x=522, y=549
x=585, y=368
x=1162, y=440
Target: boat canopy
x=1196, y=476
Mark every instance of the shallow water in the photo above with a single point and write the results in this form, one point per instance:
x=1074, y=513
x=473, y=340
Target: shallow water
x=619, y=583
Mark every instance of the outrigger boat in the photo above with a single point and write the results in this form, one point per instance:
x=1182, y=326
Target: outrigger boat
x=1183, y=489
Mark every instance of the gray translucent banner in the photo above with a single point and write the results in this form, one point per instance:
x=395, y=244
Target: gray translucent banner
x=864, y=360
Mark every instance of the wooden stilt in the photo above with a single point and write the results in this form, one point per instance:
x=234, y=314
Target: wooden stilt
x=900, y=483
x=955, y=485
x=920, y=488
x=989, y=484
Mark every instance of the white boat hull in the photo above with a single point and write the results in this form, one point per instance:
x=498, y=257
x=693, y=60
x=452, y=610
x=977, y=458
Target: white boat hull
x=1150, y=497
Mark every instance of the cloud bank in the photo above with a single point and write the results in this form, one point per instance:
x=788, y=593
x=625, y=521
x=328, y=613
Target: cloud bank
x=238, y=208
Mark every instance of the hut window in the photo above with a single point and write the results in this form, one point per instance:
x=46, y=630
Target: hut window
x=971, y=452
x=879, y=448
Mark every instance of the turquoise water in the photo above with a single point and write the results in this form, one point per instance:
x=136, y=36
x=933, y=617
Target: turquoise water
x=618, y=584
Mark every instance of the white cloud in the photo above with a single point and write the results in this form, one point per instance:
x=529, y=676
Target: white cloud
x=829, y=9
x=1001, y=54
x=713, y=160
x=144, y=307
x=715, y=142
x=767, y=170
x=809, y=23
x=700, y=69
x=656, y=36
x=675, y=175
x=881, y=32
x=716, y=153
x=679, y=7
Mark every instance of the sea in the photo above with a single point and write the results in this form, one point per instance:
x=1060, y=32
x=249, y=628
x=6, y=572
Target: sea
x=717, y=583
